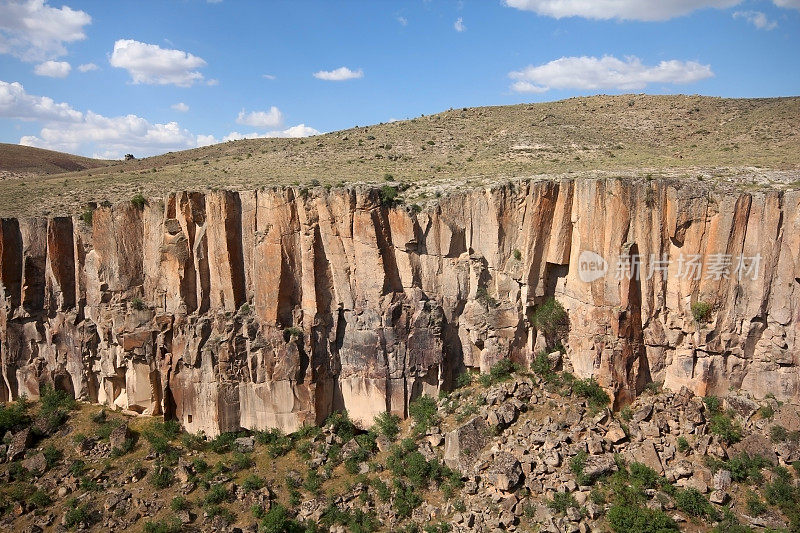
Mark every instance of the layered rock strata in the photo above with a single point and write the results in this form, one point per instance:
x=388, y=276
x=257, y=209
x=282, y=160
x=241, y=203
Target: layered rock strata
x=275, y=307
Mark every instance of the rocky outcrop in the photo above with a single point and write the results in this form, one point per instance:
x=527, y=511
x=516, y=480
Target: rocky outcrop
x=275, y=307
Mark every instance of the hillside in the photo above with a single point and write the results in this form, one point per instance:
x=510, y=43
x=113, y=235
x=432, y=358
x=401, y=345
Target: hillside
x=638, y=134
x=27, y=161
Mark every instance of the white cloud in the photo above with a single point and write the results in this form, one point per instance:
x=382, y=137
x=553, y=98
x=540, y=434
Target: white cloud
x=149, y=63
x=180, y=106
x=757, y=19
x=213, y=82
x=53, y=69
x=459, y=25
x=268, y=76
x=794, y=4
x=33, y=31
x=69, y=130
x=16, y=103
x=261, y=119
x=403, y=21
x=608, y=72
x=339, y=74
x=617, y=9
x=88, y=67
x=301, y=130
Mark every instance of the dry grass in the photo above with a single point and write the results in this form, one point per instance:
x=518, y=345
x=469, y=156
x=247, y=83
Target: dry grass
x=616, y=134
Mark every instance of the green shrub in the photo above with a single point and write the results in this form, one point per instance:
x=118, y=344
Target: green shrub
x=342, y=425
x=389, y=195
x=222, y=443
x=277, y=520
x=483, y=296
x=502, y=370
x=589, y=389
x=292, y=334
x=40, y=499
x=577, y=465
x=76, y=514
x=683, y=445
x=162, y=476
x=743, y=467
x=561, y=502
x=626, y=518
x=701, y=312
x=388, y=425
x=691, y=501
x=87, y=216
x=725, y=428
x=405, y=499
x=13, y=416
x=52, y=455
x=313, y=481
x=778, y=433
x=54, y=407
x=464, y=379
x=551, y=319
x=138, y=201
x=138, y=304
x=766, y=411
x=713, y=404
x=179, y=503
x=253, y=482
x=755, y=506
x=424, y=412
x=216, y=495
x=170, y=525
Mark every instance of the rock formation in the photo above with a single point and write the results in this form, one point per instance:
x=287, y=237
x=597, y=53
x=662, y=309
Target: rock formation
x=273, y=308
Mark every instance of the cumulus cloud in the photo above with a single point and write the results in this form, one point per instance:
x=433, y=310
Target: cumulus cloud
x=53, y=69
x=607, y=72
x=261, y=119
x=70, y=130
x=459, y=25
x=627, y=9
x=617, y=9
x=88, y=67
x=757, y=19
x=15, y=102
x=339, y=74
x=34, y=31
x=151, y=64
x=301, y=130
x=180, y=106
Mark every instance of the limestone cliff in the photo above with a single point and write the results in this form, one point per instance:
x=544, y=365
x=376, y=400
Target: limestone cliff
x=273, y=308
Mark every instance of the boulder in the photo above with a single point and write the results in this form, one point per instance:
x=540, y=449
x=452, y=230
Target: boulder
x=599, y=465
x=463, y=444
x=118, y=436
x=20, y=441
x=505, y=472
x=35, y=464
x=754, y=445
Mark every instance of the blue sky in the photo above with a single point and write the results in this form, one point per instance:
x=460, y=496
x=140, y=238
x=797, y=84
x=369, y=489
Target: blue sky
x=106, y=78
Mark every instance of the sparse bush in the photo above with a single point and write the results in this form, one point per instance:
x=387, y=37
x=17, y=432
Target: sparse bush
x=216, y=495
x=561, y=502
x=517, y=255
x=179, y=503
x=222, y=443
x=389, y=195
x=277, y=520
x=464, y=379
x=52, y=455
x=778, y=433
x=13, y=415
x=502, y=370
x=40, y=499
x=424, y=412
x=87, y=216
x=692, y=501
x=76, y=514
x=138, y=304
x=551, y=319
x=701, y=312
x=138, y=201
x=388, y=425
x=292, y=334
x=162, y=476
x=483, y=296
x=342, y=425
x=589, y=389
x=253, y=482
x=627, y=518
x=723, y=426
x=713, y=404
x=169, y=525
x=683, y=445
x=766, y=411
x=755, y=506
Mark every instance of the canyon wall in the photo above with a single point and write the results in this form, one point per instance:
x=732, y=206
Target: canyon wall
x=275, y=307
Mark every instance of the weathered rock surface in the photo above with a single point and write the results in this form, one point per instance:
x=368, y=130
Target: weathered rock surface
x=273, y=308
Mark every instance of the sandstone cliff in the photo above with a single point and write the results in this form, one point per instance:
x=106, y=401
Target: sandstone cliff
x=275, y=307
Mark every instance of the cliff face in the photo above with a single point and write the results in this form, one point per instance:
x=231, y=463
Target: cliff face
x=273, y=308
